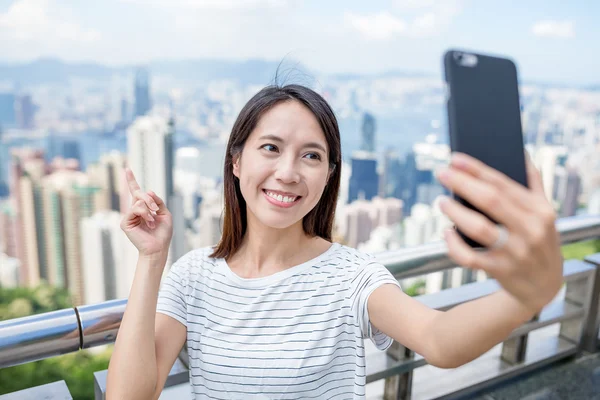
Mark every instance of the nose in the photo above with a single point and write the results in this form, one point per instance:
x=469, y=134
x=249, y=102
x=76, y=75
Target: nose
x=287, y=171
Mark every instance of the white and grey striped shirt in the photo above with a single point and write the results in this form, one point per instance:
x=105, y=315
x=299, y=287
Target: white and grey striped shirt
x=296, y=334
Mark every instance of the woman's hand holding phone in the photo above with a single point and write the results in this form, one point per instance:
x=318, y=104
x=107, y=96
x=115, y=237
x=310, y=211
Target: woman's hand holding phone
x=529, y=263
x=148, y=223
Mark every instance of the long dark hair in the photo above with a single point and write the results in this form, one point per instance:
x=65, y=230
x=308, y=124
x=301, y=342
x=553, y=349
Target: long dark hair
x=319, y=221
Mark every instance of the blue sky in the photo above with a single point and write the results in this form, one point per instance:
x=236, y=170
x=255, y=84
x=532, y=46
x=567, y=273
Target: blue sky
x=555, y=41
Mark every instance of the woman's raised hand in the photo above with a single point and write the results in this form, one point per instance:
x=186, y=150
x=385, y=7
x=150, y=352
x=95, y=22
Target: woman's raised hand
x=148, y=223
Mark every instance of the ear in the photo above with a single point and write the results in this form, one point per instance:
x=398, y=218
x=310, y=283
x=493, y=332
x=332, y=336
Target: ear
x=236, y=166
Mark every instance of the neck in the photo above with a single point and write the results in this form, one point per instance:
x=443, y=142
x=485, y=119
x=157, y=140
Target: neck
x=266, y=250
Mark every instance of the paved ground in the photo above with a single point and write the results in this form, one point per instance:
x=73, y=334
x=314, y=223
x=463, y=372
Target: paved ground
x=574, y=380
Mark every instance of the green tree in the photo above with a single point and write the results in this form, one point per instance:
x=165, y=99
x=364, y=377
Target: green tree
x=77, y=369
x=416, y=288
x=580, y=250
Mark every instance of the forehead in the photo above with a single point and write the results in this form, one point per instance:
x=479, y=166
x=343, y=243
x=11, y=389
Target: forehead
x=292, y=121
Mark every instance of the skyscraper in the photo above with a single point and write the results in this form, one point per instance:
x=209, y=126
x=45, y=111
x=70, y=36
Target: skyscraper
x=26, y=170
x=106, y=274
x=8, y=116
x=364, y=181
x=150, y=155
x=143, y=104
x=68, y=197
x=149, y=148
x=107, y=174
x=368, y=133
x=570, y=201
x=25, y=112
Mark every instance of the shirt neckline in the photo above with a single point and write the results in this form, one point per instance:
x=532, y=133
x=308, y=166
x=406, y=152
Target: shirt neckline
x=277, y=276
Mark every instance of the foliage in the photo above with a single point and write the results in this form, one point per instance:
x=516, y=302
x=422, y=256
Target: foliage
x=416, y=288
x=77, y=369
x=21, y=301
x=580, y=250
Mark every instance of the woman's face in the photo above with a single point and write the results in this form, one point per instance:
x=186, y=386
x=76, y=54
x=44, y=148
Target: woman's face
x=284, y=166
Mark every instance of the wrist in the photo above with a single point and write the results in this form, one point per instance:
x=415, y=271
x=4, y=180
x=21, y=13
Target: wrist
x=522, y=311
x=157, y=259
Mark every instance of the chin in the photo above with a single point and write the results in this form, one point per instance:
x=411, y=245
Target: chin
x=272, y=220
x=278, y=223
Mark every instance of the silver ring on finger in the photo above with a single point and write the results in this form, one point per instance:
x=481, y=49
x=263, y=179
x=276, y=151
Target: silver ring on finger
x=502, y=238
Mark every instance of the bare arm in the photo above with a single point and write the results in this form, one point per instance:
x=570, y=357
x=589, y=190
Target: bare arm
x=527, y=264
x=147, y=343
x=451, y=338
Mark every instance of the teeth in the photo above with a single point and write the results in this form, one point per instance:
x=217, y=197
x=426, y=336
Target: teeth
x=278, y=197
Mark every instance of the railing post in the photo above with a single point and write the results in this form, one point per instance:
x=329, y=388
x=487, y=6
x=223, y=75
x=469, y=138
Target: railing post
x=591, y=326
x=577, y=292
x=515, y=349
x=399, y=387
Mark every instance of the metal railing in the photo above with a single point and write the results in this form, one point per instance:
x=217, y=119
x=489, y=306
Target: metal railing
x=47, y=335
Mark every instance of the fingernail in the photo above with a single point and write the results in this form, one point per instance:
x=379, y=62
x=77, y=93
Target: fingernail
x=443, y=173
x=458, y=160
x=154, y=207
x=151, y=217
x=444, y=200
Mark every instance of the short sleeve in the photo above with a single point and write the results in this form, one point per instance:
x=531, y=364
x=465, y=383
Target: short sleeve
x=174, y=290
x=369, y=277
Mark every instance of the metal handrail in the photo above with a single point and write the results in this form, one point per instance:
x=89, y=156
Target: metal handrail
x=37, y=337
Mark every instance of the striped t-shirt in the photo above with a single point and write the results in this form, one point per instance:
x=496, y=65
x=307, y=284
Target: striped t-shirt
x=296, y=334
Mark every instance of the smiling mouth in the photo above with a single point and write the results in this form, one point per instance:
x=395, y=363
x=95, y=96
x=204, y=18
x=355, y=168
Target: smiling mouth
x=288, y=199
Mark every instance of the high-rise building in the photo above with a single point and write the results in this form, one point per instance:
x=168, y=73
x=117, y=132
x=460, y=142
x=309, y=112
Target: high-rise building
x=547, y=158
x=359, y=223
x=108, y=174
x=594, y=202
x=9, y=273
x=68, y=197
x=143, y=104
x=364, y=181
x=151, y=158
x=149, y=148
x=368, y=133
x=106, y=273
x=8, y=117
x=27, y=169
x=25, y=112
x=570, y=201
x=8, y=242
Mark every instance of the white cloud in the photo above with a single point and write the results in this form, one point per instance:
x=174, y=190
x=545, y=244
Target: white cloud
x=212, y=4
x=377, y=26
x=39, y=20
x=554, y=29
x=412, y=18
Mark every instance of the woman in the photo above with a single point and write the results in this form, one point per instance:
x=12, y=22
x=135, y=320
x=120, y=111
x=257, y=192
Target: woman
x=276, y=310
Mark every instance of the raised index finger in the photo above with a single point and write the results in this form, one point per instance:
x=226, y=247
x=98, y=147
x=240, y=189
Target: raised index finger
x=131, y=182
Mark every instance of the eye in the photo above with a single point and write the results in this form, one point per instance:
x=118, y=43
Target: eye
x=315, y=156
x=269, y=147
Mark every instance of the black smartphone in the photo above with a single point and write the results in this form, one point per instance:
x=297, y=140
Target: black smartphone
x=484, y=115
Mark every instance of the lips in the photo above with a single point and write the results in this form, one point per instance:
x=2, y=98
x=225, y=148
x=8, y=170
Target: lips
x=281, y=199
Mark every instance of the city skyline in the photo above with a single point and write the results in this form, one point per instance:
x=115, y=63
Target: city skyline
x=350, y=37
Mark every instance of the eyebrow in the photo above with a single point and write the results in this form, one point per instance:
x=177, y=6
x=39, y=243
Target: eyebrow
x=275, y=138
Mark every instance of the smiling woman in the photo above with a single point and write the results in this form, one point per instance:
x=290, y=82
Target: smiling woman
x=275, y=309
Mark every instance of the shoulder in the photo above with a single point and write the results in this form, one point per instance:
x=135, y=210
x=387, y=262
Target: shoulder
x=352, y=258
x=193, y=263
